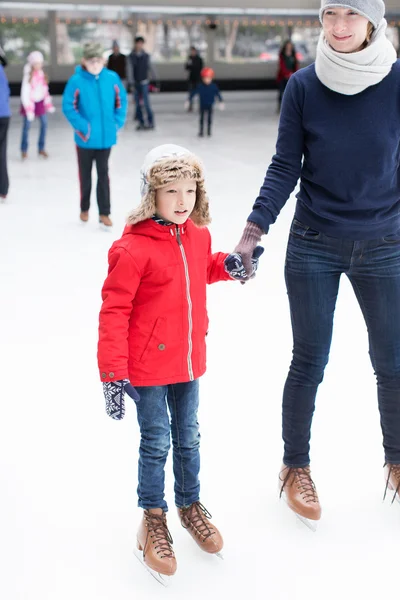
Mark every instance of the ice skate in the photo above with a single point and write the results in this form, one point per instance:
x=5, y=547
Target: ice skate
x=84, y=216
x=154, y=546
x=43, y=154
x=195, y=519
x=299, y=492
x=392, y=478
x=105, y=223
x=24, y=155
x=3, y=199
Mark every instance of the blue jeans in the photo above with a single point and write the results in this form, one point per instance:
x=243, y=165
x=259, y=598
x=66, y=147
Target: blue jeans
x=182, y=400
x=141, y=90
x=314, y=265
x=42, y=134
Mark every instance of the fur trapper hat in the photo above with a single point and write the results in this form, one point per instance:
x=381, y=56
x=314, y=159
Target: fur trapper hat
x=164, y=165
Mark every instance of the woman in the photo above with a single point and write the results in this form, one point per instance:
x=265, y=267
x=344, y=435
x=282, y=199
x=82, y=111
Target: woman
x=288, y=64
x=347, y=220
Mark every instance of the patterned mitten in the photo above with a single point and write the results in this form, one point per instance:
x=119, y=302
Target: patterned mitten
x=114, y=392
x=234, y=265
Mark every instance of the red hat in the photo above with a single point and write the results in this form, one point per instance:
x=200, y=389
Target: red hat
x=207, y=72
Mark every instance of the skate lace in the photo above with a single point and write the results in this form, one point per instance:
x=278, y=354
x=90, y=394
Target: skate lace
x=195, y=518
x=393, y=470
x=304, y=482
x=159, y=534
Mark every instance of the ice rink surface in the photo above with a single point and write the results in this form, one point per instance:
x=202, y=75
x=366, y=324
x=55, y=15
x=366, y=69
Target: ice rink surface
x=68, y=514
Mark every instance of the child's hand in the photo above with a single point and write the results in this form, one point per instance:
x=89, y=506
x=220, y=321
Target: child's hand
x=187, y=104
x=51, y=110
x=114, y=392
x=234, y=265
x=221, y=106
x=30, y=117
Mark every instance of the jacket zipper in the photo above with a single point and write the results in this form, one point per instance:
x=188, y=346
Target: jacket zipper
x=189, y=301
x=101, y=108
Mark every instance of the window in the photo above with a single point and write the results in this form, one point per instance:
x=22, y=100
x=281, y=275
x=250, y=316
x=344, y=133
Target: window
x=21, y=33
x=238, y=43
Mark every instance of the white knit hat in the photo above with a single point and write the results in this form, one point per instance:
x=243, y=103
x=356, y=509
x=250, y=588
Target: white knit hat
x=373, y=10
x=35, y=57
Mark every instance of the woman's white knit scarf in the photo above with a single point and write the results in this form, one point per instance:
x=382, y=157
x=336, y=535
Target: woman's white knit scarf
x=353, y=73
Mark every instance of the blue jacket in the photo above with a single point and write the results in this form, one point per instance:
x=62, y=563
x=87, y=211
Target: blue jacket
x=96, y=107
x=4, y=95
x=207, y=94
x=346, y=151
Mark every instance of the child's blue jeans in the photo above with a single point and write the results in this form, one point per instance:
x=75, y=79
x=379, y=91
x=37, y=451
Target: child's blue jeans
x=42, y=134
x=156, y=428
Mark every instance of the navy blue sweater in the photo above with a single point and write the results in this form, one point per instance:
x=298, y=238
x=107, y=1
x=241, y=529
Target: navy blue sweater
x=350, y=147
x=207, y=94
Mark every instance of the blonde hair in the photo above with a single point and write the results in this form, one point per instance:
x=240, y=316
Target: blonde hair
x=370, y=31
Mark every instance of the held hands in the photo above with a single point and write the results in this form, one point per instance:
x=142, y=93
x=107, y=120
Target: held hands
x=30, y=117
x=221, y=106
x=51, y=110
x=187, y=104
x=234, y=265
x=114, y=393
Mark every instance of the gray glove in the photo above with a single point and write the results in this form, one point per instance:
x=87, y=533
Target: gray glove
x=250, y=238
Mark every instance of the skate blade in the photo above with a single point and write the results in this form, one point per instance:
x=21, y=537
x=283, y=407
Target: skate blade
x=164, y=580
x=220, y=555
x=105, y=227
x=312, y=525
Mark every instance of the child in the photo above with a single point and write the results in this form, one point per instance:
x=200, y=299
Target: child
x=153, y=326
x=35, y=102
x=207, y=91
x=95, y=104
x=5, y=114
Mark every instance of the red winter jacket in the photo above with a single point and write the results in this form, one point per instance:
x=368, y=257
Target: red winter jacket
x=153, y=321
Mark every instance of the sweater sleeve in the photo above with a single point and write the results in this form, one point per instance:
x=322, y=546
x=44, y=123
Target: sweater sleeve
x=118, y=293
x=26, y=100
x=285, y=169
x=218, y=94
x=70, y=107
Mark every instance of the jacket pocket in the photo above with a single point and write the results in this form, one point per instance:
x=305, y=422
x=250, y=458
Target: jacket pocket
x=300, y=230
x=155, y=341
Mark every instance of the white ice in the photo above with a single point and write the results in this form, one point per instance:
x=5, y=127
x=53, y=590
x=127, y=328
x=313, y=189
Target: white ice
x=68, y=512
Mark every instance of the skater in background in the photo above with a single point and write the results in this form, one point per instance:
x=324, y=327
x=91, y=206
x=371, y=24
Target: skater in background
x=194, y=66
x=153, y=326
x=95, y=104
x=5, y=114
x=142, y=72
x=288, y=64
x=347, y=221
x=35, y=102
x=207, y=91
x=117, y=62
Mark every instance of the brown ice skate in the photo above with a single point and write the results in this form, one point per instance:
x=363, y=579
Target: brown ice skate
x=105, y=221
x=195, y=519
x=43, y=154
x=24, y=155
x=84, y=216
x=392, y=477
x=154, y=543
x=300, y=494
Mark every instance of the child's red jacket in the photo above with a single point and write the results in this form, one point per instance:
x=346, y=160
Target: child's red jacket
x=153, y=321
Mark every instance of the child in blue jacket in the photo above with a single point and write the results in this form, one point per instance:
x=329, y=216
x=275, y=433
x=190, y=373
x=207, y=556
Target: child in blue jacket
x=207, y=91
x=95, y=104
x=5, y=114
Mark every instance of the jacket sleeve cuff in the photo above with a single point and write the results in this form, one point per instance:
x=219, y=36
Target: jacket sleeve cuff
x=107, y=375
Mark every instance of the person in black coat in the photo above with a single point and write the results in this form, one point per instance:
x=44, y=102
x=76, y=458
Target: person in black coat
x=194, y=65
x=117, y=62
